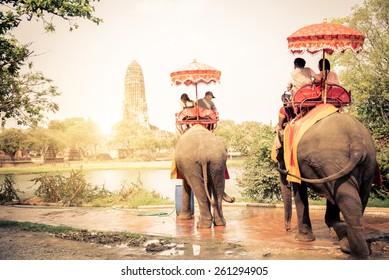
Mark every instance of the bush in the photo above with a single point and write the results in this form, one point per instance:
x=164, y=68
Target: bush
x=382, y=192
x=73, y=190
x=260, y=180
x=7, y=190
x=70, y=191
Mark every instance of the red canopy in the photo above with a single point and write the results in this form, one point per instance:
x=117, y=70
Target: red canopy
x=195, y=73
x=326, y=37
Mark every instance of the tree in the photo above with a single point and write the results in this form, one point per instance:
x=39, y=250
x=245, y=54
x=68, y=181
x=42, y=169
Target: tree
x=367, y=76
x=42, y=141
x=26, y=96
x=83, y=135
x=11, y=141
x=254, y=140
x=228, y=131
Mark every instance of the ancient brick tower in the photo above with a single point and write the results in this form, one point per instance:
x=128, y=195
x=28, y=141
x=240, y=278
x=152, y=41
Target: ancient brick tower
x=134, y=105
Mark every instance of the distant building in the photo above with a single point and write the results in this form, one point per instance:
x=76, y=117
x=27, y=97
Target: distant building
x=135, y=105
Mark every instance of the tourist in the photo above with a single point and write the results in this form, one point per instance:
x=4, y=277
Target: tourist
x=301, y=75
x=207, y=102
x=186, y=102
x=327, y=75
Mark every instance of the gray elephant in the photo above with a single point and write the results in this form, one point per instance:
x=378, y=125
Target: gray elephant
x=337, y=159
x=200, y=158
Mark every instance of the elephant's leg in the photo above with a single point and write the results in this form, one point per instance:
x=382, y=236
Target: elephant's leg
x=186, y=203
x=205, y=217
x=219, y=219
x=302, y=208
x=286, y=192
x=350, y=205
x=337, y=227
x=216, y=182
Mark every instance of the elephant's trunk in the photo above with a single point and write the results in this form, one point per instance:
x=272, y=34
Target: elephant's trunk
x=355, y=158
x=205, y=176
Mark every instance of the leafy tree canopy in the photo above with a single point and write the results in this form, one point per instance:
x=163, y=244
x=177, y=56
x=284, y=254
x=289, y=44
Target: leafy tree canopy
x=26, y=96
x=367, y=74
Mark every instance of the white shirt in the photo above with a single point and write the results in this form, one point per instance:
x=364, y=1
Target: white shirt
x=301, y=77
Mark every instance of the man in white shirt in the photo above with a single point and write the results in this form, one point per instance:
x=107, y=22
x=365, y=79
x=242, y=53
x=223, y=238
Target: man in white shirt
x=301, y=75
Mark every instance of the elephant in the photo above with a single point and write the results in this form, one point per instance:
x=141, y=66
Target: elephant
x=200, y=158
x=337, y=160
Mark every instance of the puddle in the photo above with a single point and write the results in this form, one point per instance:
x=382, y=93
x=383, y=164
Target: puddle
x=162, y=248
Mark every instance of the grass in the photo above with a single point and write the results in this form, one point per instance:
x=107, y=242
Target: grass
x=373, y=202
x=27, y=226
x=36, y=227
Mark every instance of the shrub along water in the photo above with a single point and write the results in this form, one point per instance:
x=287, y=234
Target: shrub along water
x=72, y=189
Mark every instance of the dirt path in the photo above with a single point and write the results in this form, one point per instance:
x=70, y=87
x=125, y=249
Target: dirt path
x=251, y=233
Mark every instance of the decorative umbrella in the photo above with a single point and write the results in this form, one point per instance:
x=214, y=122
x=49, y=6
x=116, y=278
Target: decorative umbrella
x=325, y=37
x=195, y=73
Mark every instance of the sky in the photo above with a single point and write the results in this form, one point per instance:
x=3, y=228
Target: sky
x=244, y=39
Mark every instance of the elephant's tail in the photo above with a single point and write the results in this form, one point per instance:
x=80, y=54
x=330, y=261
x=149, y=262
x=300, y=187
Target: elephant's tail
x=205, y=176
x=228, y=198
x=355, y=158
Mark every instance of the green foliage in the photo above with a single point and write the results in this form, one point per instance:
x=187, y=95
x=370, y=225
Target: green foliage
x=367, y=76
x=141, y=142
x=72, y=190
x=27, y=96
x=28, y=226
x=68, y=10
x=41, y=141
x=12, y=140
x=136, y=195
x=7, y=190
x=259, y=179
x=382, y=192
x=229, y=132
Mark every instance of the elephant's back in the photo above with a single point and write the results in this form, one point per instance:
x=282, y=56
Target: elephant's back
x=334, y=138
x=338, y=129
x=199, y=144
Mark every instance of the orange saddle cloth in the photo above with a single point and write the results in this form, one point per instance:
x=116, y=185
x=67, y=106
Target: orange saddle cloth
x=295, y=130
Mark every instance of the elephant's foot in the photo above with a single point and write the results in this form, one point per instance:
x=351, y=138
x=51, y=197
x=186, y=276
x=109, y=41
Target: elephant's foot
x=288, y=226
x=359, y=258
x=344, y=245
x=220, y=222
x=332, y=233
x=204, y=223
x=185, y=216
x=305, y=237
x=338, y=230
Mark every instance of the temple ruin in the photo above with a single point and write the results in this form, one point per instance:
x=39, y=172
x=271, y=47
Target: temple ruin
x=135, y=105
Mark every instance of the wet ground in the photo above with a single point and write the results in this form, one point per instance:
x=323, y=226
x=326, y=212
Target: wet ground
x=252, y=232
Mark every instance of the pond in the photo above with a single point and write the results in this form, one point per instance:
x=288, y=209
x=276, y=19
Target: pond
x=152, y=180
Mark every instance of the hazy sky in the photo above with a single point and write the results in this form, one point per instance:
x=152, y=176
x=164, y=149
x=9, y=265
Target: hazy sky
x=244, y=39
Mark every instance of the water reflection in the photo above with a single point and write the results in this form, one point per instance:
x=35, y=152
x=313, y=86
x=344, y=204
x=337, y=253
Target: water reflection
x=113, y=180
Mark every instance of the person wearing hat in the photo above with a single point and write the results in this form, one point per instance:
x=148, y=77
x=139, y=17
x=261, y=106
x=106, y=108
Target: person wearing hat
x=207, y=102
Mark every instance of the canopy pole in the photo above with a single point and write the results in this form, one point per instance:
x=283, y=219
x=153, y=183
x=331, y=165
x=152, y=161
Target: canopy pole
x=197, y=104
x=324, y=85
